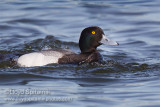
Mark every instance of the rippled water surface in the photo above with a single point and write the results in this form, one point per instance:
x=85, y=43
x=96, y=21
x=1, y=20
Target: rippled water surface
x=129, y=76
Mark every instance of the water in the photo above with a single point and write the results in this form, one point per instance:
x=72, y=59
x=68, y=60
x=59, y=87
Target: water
x=129, y=76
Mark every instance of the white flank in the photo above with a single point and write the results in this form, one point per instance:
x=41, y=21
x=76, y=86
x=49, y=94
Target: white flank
x=39, y=59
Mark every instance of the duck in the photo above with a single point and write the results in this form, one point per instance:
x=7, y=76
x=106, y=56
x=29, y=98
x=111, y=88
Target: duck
x=90, y=39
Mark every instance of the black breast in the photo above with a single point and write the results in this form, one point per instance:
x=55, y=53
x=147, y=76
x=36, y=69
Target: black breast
x=80, y=58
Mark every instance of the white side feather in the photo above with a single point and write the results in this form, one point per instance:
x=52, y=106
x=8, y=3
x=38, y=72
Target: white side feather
x=39, y=58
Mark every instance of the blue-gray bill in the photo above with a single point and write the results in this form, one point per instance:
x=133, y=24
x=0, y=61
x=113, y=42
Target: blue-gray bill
x=107, y=41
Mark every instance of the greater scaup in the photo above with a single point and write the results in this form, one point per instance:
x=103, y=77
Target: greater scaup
x=90, y=39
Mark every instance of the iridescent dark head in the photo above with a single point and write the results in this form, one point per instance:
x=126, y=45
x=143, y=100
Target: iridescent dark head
x=91, y=38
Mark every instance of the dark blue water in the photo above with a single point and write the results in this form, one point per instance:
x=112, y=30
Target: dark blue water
x=129, y=76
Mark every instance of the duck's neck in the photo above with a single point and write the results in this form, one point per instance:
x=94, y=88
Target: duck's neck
x=89, y=51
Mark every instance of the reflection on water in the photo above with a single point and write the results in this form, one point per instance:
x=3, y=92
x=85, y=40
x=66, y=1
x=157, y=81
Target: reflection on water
x=129, y=74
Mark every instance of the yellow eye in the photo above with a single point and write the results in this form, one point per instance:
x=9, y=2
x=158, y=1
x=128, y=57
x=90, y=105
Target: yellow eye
x=93, y=32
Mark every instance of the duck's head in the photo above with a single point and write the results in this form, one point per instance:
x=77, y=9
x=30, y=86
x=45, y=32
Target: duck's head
x=91, y=38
